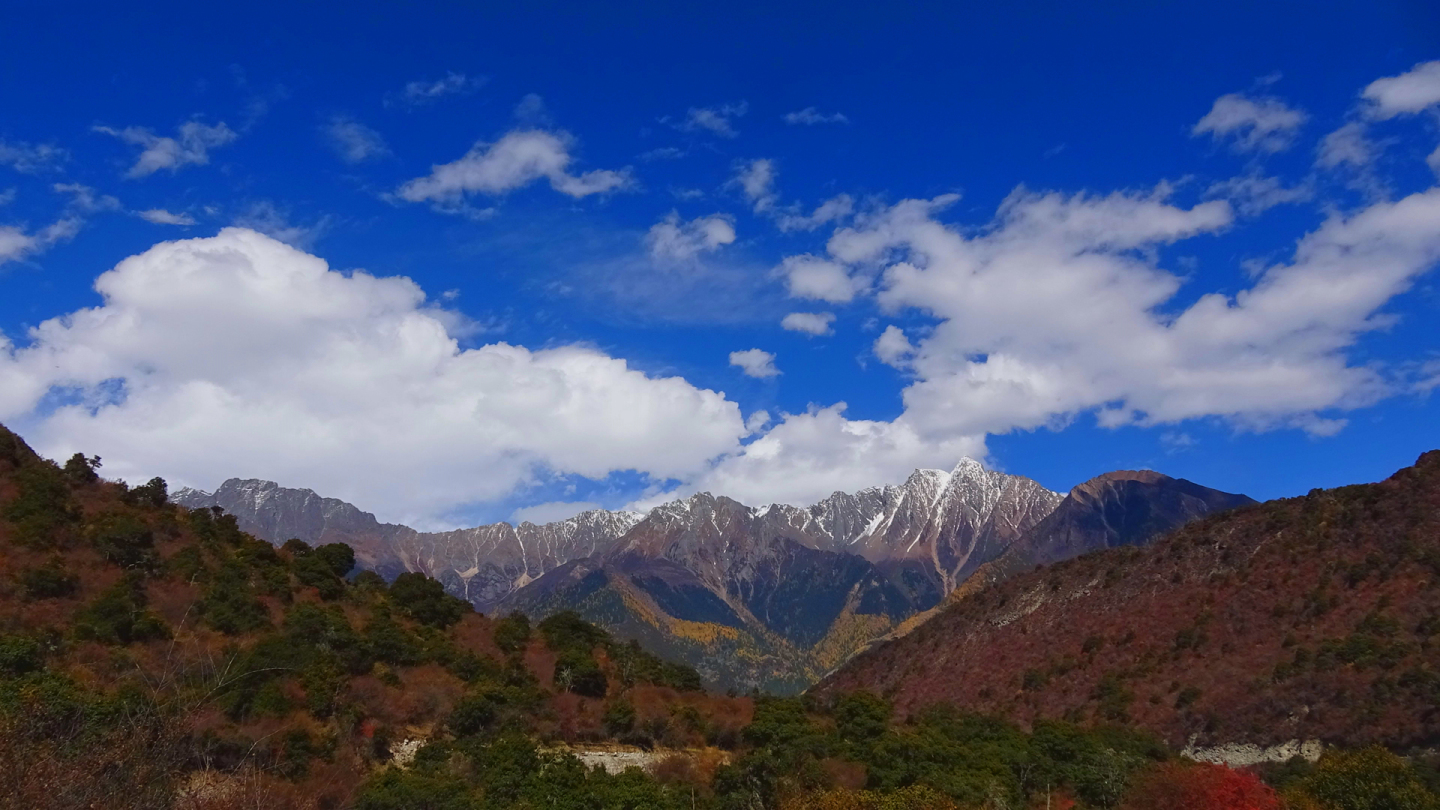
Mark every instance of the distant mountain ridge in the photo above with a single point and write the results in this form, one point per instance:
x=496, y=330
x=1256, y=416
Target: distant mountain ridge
x=772, y=596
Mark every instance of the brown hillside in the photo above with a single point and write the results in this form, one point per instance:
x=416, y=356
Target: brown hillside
x=153, y=656
x=1310, y=617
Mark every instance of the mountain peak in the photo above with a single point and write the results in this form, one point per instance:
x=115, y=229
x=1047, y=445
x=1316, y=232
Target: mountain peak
x=968, y=467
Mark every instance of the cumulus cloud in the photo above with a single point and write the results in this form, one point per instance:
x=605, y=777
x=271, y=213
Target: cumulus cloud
x=239, y=355
x=893, y=348
x=31, y=158
x=424, y=91
x=756, y=422
x=1258, y=124
x=354, y=142
x=552, y=511
x=1057, y=308
x=808, y=456
x=160, y=216
x=821, y=279
x=1408, y=93
x=190, y=147
x=518, y=159
x=815, y=324
x=716, y=120
x=811, y=116
x=672, y=240
x=755, y=363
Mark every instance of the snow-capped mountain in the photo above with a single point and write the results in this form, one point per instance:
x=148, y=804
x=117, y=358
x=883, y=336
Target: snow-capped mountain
x=770, y=596
x=483, y=564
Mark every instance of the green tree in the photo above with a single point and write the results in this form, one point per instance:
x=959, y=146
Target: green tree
x=426, y=601
x=81, y=470
x=1368, y=779
x=512, y=632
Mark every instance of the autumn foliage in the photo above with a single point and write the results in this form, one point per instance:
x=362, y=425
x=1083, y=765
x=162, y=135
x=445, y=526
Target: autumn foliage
x=1200, y=786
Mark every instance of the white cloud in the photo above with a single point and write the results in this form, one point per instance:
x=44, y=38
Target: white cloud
x=268, y=219
x=1175, y=441
x=16, y=244
x=756, y=422
x=421, y=92
x=756, y=180
x=160, y=216
x=1256, y=193
x=7, y=196
x=755, y=363
x=1257, y=124
x=552, y=511
x=1408, y=93
x=237, y=355
x=816, y=324
x=1347, y=146
x=518, y=159
x=894, y=348
x=808, y=456
x=716, y=120
x=834, y=209
x=811, y=116
x=1058, y=308
x=820, y=279
x=190, y=147
x=673, y=240
x=85, y=199
x=31, y=158
x=353, y=141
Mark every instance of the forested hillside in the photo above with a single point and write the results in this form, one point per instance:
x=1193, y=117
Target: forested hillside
x=1311, y=617
x=157, y=657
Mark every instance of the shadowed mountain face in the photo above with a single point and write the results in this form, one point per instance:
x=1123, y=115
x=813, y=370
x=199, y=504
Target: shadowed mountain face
x=773, y=596
x=1122, y=508
x=1311, y=617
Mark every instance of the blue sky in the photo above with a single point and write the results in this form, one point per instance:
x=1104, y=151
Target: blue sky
x=580, y=255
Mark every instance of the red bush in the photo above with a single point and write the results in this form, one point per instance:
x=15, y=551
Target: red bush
x=1199, y=786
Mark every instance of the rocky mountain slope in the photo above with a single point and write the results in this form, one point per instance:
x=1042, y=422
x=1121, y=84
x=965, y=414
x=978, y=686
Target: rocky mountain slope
x=481, y=565
x=1312, y=617
x=771, y=596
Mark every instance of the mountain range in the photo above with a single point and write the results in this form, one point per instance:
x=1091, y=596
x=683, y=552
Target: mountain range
x=1310, y=618
x=770, y=597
